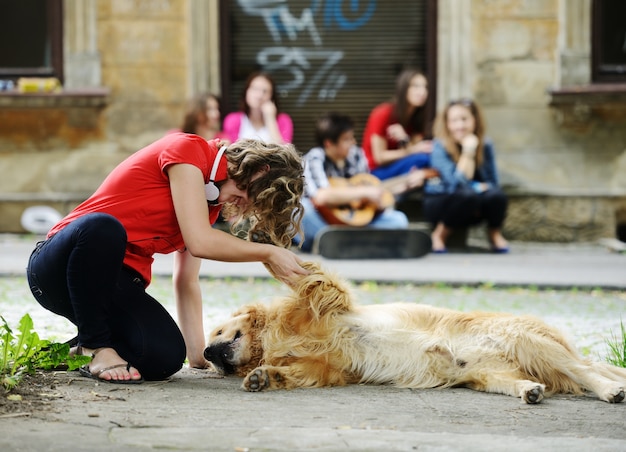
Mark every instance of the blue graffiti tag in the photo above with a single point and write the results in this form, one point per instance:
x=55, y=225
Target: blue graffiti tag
x=334, y=12
x=312, y=70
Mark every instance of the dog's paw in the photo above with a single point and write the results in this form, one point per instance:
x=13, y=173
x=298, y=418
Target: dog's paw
x=613, y=395
x=533, y=394
x=257, y=380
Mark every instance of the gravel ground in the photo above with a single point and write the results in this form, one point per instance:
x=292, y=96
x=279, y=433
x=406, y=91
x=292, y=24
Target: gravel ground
x=589, y=318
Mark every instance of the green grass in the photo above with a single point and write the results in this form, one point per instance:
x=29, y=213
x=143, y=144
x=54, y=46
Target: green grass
x=617, y=348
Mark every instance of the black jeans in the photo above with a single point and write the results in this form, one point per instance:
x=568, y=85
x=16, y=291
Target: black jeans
x=467, y=208
x=78, y=274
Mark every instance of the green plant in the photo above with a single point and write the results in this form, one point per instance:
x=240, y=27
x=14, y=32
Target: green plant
x=617, y=348
x=24, y=352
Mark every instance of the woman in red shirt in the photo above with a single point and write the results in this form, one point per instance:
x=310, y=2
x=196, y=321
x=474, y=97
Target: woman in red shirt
x=394, y=137
x=95, y=264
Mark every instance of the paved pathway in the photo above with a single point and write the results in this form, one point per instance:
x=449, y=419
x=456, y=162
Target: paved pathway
x=193, y=412
x=528, y=264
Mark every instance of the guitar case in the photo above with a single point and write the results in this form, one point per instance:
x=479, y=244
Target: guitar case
x=347, y=242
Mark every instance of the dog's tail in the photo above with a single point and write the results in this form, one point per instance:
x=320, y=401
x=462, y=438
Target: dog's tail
x=324, y=292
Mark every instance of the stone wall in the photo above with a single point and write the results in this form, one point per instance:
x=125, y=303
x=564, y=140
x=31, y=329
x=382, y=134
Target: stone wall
x=542, y=218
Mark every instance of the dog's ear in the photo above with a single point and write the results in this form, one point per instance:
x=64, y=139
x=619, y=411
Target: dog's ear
x=324, y=291
x=258, y=317
x=256, y=312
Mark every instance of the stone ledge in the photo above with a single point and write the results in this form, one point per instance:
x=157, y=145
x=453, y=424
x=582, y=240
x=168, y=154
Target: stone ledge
x=561, y=217
x=44, y=197
x=12, y=206
x=88, y=97
x=599, y=93
x=515, y=191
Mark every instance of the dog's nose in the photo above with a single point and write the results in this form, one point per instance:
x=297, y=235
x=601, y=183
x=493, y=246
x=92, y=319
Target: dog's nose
x=219, y=355
x=214, y=356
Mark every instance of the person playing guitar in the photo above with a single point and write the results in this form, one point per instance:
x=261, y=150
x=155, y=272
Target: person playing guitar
x=338, y=186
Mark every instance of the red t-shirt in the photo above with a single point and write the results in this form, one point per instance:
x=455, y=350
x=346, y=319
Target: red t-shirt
x=380, y=118
x=137, y=193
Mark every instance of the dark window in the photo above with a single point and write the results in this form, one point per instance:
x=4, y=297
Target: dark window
x=31, y=36
x=609, y=41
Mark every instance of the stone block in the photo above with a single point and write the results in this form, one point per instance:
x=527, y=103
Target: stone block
x=145, y=84
x=501, y=9
x=143, y=43
x=514, y=84
x=560, y=218
x=512, y=40
x=571, y=212
x=501, y=40
x=11, y=211
x=133, y=120
x=518, y=129
x=81, y=171
x=138, y=9
x=44, y=129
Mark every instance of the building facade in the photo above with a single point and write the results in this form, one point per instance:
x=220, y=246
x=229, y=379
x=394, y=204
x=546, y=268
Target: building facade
x=555, y=112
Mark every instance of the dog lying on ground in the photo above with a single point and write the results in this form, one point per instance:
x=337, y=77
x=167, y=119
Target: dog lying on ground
x=317, y=337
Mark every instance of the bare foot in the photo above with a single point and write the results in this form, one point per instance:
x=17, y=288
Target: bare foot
x=108, y=365
x=439, y=237
x=438, y=244
x=497, y=240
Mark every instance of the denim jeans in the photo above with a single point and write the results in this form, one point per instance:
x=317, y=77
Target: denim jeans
x=402, y=166
x=78, y=274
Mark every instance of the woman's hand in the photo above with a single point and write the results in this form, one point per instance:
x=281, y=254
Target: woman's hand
x=285, y=265
x=469, y=144
x=198, y=362
x=397, y=133
x=269, y=110
x=422, y=147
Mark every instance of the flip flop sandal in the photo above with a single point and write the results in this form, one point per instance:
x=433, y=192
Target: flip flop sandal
x=85, y=372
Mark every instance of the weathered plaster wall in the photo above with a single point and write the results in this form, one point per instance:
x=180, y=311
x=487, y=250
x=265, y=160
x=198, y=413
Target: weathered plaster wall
x=132, y=58
x=563, y=162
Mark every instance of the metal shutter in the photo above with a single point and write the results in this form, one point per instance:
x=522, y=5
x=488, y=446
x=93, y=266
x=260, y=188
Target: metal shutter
x=341, y=55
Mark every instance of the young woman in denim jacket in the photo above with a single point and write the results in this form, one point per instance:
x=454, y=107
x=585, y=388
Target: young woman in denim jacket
x=467, y=191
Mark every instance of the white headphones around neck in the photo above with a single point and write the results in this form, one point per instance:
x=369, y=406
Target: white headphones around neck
x=210, y=190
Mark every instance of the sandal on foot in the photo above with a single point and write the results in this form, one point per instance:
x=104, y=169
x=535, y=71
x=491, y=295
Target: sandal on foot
x=85, y=372
x=498, y=250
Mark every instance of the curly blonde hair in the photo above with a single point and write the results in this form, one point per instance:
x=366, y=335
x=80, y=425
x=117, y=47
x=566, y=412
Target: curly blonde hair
x=275, y=211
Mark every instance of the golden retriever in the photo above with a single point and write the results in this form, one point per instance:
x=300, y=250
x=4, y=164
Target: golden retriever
x=317, y=337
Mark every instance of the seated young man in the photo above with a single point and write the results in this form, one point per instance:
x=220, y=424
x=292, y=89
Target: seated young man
x=332, y=194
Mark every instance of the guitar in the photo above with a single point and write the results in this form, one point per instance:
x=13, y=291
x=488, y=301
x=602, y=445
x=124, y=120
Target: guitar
x=356, y=213
x=359, y=213
x=400, y=184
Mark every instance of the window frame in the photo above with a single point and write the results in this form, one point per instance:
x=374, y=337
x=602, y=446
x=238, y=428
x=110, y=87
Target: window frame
x=599, y=72
x=54, y=18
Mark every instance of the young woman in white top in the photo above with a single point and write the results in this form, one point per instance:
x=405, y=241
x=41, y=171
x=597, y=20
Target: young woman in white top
x=259, y=116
